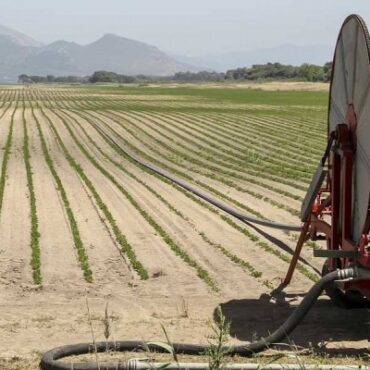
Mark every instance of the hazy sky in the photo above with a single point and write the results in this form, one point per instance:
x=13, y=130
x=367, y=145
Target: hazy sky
x=188, y=27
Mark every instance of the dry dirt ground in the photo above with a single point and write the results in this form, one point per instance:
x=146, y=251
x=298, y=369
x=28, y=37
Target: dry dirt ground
x=65, y=308
x=268, y=86
x=292, y=86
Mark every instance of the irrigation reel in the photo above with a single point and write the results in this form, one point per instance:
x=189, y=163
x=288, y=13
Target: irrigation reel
x=336, y=208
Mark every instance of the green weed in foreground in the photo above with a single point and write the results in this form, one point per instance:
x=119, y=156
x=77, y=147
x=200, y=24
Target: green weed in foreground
x=218, y=349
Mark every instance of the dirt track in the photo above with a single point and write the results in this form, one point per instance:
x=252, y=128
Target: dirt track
x=39, y=317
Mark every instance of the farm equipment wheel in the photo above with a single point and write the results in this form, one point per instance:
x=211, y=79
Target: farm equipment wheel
x=348, y=300
x=349, y=103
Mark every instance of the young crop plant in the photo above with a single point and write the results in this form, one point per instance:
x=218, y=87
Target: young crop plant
x=175, y=247
x=265, y=246
x=35, y=235
x=215, y=141
x=212, y=151
x=85, y=107
x=213, y=169
x=119, y=236
x=212, y=143
x=247, y=132
x=227, y=182
x=268, y=248
x=5, y=110
x=4, y=165
x=256, y=213
x=237, y=260
x=256, y=170
x=125, y=170
x=242, y=263
x=80, y=248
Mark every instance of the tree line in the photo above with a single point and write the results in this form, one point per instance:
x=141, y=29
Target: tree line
x=268, y=71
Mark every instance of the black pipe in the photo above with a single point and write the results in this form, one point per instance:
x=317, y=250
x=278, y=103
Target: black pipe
x=49, y=359
x=186, y=185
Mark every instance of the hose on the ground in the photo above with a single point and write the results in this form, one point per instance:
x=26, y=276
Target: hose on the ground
x=186, y=185
x=50, y=359
x=137, y=364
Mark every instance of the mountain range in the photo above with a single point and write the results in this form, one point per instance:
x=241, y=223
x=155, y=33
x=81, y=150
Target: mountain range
x=20, y=54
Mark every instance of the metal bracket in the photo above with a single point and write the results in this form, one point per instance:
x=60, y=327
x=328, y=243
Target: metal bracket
x=326, y=253
x=312, y=192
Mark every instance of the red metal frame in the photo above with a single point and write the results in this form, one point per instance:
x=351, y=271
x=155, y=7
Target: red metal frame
x=337, y=205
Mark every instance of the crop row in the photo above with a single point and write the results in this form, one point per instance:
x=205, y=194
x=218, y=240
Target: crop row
x=35, y=235
x=202, y=166
x=248, y=162
x=78, y=243
x=245, y=154
x=251, y=236
x=213, y=243
x=200, y=271
x=119, y=236
x=274, y=127
x=253, y=193
x=204, y=185
x=209, y=152
x=175, y=247
x=242, y=263
x=4, y=165
x=209, y=147
x=251, y=169
x=182, y=174
x=308, y=272
x=234, y=258
x=251, y=130
x=267, y=176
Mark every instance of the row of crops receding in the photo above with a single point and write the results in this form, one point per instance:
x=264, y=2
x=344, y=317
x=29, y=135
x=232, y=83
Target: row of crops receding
x=112, y=218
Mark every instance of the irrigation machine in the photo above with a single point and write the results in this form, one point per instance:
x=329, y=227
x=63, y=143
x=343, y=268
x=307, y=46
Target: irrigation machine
x=336, y=208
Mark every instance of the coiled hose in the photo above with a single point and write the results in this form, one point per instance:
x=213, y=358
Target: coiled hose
x=49, y=359
x=186, y=185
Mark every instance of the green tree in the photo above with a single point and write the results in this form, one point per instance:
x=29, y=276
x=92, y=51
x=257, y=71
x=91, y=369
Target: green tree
x=327, y=71
x=24, y=79
x=311, y=72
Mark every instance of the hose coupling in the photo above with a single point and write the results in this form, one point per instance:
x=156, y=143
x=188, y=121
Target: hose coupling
x=355, y=272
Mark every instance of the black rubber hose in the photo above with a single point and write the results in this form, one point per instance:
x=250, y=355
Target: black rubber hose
x=49, y=360
x=186, y=185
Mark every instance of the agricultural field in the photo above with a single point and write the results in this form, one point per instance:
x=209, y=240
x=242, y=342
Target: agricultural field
x=84, y=226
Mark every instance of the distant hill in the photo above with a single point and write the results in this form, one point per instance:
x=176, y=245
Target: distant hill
x=21, y=54
x=285, y=54
x=18, y=37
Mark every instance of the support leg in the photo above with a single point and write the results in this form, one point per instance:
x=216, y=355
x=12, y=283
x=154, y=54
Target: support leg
x=297, y=252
